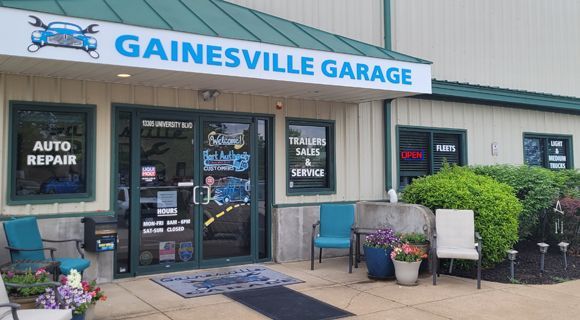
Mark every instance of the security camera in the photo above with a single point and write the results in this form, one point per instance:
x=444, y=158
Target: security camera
x=209, y=94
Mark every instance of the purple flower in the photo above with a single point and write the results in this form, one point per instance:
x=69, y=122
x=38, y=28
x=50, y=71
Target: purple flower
x=75, y=299
x=382, y=238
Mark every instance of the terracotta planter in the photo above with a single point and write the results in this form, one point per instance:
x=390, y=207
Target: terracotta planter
x=25, y=302
x=407, y=272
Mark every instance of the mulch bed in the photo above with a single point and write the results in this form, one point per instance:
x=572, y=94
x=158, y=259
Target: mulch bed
x=527, y=267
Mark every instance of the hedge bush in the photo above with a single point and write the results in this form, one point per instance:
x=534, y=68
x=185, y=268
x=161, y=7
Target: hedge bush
x=569, y=183
x=494, y=204
x=537, y=188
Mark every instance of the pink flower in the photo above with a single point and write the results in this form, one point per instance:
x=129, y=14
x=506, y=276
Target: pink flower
x=40, y=272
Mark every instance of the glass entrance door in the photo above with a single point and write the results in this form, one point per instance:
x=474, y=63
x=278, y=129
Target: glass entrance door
x=227, y=219
x=192, y=190
x=166, y=192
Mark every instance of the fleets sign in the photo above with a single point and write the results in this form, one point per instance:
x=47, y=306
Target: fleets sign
x=49, y=36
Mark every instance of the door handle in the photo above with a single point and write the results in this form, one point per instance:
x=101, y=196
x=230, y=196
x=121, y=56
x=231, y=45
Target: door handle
x=208, y=194
x=195, y=195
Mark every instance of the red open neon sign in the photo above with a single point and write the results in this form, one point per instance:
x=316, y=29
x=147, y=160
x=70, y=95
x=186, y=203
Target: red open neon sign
x=413, y=155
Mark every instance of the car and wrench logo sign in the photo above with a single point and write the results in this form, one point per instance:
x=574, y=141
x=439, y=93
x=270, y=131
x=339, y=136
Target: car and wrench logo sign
x=63, y=34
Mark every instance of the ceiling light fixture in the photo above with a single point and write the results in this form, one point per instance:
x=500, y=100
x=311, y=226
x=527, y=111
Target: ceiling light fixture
x=123, y=75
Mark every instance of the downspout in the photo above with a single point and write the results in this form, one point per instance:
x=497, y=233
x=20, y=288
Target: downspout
x=387, y=103
x=387, y=23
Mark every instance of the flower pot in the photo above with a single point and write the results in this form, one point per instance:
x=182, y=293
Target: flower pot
x=25, y=302
x=90, y=314
x=379, y=264
x=407, y=272
x=78, y=316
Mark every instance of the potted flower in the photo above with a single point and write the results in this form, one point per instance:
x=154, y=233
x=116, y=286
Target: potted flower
x=407, y=259
x=377, y=249
x=25, y=288
x=420, y=241
x=97, y=295
x=74, y=294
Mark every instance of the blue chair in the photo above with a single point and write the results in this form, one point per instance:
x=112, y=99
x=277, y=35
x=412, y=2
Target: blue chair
x=25, y=243
x=336, y=231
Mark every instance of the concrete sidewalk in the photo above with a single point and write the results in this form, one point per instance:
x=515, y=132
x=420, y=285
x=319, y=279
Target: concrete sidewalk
x=452, y=298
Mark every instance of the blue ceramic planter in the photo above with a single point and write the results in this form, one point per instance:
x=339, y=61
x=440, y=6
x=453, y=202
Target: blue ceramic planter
x=78, y=317
x=379, y=263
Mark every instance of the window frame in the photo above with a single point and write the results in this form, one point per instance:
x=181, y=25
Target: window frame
x=462, y=133
x=547, y=136
x=330, y=152
x=90, y=153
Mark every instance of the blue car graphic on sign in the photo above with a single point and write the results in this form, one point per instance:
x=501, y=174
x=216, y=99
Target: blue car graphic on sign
x=61, y=185
x=63, y=34
x=232, y=189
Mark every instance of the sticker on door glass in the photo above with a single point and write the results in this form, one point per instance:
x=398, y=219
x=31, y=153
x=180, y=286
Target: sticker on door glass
x=222, y=161
x=166, y=251
x=148, y=173
x=166, y=203
x=231, y=189
x=145, y=258
x=185, y=251
x=221, y=139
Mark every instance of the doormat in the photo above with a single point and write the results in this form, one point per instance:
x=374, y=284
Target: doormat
x=223, y=280
x=281, y=303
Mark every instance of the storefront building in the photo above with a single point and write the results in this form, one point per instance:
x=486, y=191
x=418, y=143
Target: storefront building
x=180, y=120
x=212, y=131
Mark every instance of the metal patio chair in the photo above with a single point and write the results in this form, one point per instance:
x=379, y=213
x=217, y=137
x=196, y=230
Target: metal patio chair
x=454, y=239
x=25, y=244
x=10, y=311
x=336, y=231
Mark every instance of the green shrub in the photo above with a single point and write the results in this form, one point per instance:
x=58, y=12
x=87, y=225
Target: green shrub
x=494, y=204
x=27, y=278
x=569, y=183
x=537, y=188
x=413, y=238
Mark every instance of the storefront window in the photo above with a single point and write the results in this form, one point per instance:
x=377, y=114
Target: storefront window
x=310, y=156
x=424, y=151
x=552, y=152
x=51, y=152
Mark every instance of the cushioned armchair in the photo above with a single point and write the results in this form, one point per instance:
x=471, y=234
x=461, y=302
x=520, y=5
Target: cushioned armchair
x=25, y=243
x=456, y=238
x=10, y=311
x=336, y=231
